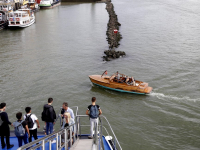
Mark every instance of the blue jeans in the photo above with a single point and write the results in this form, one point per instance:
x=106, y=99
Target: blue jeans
x=23, y=138
x=49, y=127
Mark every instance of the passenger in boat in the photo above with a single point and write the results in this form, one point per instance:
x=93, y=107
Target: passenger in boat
x=117, y=76
x=133, y=81
x=4, y=127
x=33, y=123
x=25, y=126
x=95, y=111
x=127, y=80
x=67, y=122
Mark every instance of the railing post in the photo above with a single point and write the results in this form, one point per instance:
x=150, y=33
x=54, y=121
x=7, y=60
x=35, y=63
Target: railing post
x=101, y=136
x=50, y=145
x=66, y=143
x=95, y=134
x=60, y=139
x=70, y=137
x=79, y=127
x=74, y=138
x=43, y=145
x=56, y=141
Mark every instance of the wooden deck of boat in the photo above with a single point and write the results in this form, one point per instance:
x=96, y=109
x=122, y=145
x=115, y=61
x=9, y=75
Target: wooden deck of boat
x=82, y=143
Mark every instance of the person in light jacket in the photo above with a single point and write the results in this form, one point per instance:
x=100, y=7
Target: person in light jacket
x=67, y=121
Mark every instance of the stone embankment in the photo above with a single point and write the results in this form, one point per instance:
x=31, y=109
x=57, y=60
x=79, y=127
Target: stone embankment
x=113, y=38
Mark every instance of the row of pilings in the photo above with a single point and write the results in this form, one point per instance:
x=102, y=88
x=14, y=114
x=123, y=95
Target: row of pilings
x=113, y=38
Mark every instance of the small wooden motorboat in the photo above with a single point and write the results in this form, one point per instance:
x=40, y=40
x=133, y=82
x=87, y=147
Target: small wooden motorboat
x=121, y=83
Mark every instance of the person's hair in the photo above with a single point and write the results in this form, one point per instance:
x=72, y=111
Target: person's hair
x=68, y=115
x=65, y=104
x=93, y=99
x=19, y=115
x=28, y=109
x=50, y=100
x=2, y=105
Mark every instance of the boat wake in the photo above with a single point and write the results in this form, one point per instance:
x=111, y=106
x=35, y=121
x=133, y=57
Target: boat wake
x=172, y=97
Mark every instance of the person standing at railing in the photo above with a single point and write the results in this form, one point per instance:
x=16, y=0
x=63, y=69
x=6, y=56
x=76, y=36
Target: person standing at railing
x=65, y=108
x=33, y=123
x=21, y=129
x=67, y=121
x=4, y=127
x=49, y=116
x=95, y=111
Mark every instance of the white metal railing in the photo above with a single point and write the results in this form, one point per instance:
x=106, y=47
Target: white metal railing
x=67, y=132
x=48, y=139
x=99, y=131
x=56, y=135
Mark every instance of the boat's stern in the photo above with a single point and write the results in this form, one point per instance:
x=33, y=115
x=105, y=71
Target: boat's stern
x=148, y=90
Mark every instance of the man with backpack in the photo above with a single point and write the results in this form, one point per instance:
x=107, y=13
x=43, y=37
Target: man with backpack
x=95, y=111
x=4, y=127
x=21, y=129
x=32, y=122
x=49, y=116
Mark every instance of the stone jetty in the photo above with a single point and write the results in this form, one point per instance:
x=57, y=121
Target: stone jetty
x=113, y=38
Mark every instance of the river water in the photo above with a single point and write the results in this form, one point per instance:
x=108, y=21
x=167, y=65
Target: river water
x=54, y=57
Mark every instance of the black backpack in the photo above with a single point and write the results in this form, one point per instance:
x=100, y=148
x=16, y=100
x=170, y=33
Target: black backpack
x=29, y=121
x=45, y=114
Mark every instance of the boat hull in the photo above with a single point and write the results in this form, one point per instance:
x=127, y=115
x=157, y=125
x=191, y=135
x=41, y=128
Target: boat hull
x=120, y=87
x=49, y=6
x=3, y=25
x=22, y=25
x=118, y=90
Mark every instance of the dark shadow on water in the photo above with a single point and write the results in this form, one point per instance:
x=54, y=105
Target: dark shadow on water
x=16, y=29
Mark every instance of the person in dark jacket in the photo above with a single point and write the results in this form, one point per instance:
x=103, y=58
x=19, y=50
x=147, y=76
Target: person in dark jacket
x=51, y=116
x=4, y=128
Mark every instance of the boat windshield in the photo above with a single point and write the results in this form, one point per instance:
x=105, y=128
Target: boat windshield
x=24, y=15
x=17, y=15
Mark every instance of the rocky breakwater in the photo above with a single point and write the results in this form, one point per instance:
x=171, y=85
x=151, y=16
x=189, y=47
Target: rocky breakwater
x=113, y=34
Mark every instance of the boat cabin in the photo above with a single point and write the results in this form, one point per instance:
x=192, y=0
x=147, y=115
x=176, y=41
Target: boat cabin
x=5, y=7
x=21, y=16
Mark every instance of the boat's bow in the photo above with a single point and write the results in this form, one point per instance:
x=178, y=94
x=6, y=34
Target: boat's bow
x=99, y=79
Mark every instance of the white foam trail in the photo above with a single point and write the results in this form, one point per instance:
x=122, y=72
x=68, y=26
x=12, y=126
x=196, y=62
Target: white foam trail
x=171, y=97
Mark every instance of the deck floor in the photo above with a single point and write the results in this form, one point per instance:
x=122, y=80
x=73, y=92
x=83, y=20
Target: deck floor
x=82, y=143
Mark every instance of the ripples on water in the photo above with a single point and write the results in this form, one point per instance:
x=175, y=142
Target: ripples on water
x=161, y=38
